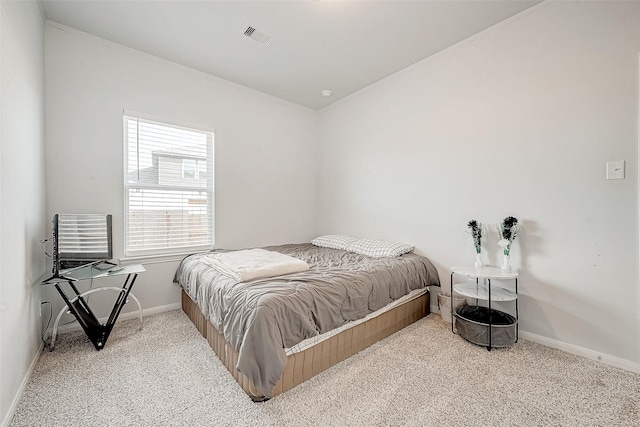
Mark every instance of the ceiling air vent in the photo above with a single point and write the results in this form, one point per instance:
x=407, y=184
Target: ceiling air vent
x=256, y=35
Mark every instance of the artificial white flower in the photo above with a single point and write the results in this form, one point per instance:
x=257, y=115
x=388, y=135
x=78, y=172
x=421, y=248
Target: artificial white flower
x=475, y=231
x=508, y=230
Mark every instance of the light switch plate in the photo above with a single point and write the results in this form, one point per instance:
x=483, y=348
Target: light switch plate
x=615, y=169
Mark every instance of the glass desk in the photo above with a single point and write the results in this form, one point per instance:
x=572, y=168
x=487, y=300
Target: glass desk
x=77, y=305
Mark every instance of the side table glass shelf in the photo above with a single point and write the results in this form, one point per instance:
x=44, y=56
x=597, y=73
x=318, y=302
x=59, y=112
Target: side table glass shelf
x=480, y=323
x=77, y=305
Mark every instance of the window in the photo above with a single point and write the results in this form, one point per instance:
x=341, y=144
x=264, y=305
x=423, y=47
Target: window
x=168, y=188
x=188, y=168
x=202, y=169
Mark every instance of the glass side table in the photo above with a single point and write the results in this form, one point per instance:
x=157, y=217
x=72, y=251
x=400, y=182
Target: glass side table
x=480, y=324
x=77, y=305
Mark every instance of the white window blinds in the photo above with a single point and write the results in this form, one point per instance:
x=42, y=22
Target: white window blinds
x=168, y=188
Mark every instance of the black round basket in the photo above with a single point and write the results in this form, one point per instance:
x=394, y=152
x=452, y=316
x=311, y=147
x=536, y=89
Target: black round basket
x=472, y=323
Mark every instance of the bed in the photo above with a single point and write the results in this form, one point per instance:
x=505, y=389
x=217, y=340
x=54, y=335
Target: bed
x=273, y=333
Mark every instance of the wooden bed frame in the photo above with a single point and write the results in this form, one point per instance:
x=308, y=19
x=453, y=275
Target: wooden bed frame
x=310, y=362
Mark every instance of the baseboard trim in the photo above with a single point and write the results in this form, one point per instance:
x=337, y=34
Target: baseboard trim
x=607, y=359
x=152, y=310
x=14, y=404
x=124, y=316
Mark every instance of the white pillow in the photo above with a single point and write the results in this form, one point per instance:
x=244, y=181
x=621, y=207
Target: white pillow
x=378, y=248
x=335, y=241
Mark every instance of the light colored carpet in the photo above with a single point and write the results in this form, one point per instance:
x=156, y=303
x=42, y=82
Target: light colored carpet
x=166, y=375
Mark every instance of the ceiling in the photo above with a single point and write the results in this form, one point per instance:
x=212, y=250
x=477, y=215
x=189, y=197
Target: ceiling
x=342, y=46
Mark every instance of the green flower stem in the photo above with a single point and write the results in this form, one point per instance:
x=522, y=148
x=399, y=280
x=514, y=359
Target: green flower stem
x=507, y=250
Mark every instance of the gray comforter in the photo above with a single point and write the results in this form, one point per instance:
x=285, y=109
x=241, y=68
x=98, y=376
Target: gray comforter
x=262, y=317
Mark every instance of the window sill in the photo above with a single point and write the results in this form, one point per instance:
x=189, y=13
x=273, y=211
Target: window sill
x=156, y=259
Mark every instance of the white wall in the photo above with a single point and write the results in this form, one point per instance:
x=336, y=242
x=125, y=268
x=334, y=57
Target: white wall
x=519, y=120
x=264, y=148
x=22, y=195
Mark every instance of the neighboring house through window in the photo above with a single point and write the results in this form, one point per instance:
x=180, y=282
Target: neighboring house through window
x=168, y=188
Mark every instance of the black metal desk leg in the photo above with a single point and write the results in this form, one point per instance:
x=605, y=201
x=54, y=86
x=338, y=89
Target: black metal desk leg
x=97, y=333
x=83, y=314
x=120, y=302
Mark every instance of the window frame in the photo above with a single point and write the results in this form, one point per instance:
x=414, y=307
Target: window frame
x=209, y=189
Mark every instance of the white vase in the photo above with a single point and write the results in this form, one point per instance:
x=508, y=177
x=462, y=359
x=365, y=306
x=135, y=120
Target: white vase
x=505, y=263
x=478, y=260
